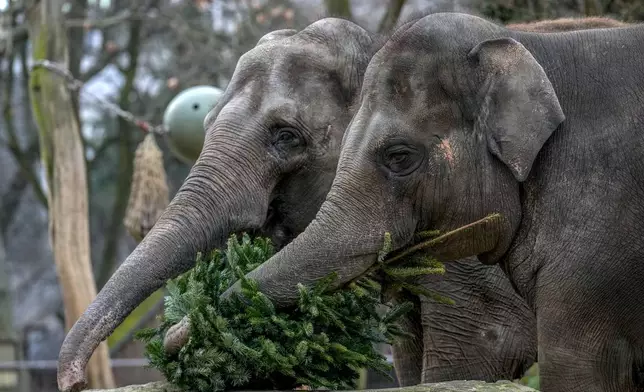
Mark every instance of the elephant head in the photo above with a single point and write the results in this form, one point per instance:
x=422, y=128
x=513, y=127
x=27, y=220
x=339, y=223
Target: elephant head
x=269, y=157
x=448, y=127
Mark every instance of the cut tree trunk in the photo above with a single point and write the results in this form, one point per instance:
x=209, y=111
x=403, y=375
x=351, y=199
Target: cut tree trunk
x=63, y=160
x=449, y=386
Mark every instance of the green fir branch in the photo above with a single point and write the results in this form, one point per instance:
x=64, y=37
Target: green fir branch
x=245, y=342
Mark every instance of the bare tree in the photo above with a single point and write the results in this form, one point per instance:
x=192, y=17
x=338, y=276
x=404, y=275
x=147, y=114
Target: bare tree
x=63, y=158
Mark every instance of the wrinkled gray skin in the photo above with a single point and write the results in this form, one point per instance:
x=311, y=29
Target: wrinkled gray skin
x=456, y=122
x=273, y=143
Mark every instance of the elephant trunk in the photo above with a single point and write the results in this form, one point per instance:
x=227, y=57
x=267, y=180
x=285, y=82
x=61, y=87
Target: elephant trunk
x=208, y=207
x=341, y=239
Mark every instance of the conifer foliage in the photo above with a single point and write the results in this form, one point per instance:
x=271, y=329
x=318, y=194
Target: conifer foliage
x=244, y=342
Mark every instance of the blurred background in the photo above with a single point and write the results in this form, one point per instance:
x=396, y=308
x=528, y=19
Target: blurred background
x=139, y=55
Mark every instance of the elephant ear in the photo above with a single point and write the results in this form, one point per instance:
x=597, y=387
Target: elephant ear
x=277, y=34
x=520, y=108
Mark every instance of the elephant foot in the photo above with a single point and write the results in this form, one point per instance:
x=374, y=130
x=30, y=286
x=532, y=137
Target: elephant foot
x=177, y=336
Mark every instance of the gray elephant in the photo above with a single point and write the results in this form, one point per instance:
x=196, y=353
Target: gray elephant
x=461, y=119
x=296, y=126
x=269, y=158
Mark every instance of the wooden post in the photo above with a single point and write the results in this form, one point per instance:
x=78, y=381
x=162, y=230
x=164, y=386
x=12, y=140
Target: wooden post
x=63, y=159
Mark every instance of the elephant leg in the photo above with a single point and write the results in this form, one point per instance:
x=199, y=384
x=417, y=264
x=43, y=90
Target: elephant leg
x=489, y=334
x=578, y=353
x=590, y=317
x=565, y=367
x=408, y=352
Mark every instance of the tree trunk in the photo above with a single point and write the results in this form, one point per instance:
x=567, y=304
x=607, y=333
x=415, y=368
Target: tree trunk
x=449, y=386
x=391, y=16
x=63, y=160
x=6, y=307
x=338, y=8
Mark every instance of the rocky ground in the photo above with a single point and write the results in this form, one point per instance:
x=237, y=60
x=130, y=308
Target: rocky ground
x=450, y=386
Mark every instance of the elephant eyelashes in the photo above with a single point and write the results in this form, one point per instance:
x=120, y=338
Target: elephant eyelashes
x=401, y=160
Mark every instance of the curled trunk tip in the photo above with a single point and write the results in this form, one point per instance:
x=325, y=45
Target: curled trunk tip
x=71, y=376
x=193, y=221
x=177, y=336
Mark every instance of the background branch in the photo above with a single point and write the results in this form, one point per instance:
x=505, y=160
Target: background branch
x=106, y=58
x=99, y=151
x=125, y=163
x=11, y=200
x=391, y=16
x=24, y=161
x=110, y=21
x=341, y=8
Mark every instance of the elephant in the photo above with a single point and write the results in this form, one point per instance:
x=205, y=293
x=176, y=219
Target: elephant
x=269, y=157
x=567, y=24
x=296, y=125
x=533, y=144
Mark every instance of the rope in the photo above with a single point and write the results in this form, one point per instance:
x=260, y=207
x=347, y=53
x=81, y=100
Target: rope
x=149, y=192
x=76, y=85
x=52, y=364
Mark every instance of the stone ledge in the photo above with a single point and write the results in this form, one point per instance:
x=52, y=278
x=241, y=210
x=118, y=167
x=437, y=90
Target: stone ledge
x=449, y=386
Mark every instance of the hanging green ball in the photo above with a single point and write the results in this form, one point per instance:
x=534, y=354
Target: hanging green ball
x=184, y=120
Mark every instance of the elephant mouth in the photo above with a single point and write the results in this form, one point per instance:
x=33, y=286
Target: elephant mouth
x=273, y=228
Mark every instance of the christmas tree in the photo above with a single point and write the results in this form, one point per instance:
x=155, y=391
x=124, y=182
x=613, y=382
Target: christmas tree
x=244, y=342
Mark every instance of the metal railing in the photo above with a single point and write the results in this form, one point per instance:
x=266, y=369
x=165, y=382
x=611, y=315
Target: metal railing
x=52, y=364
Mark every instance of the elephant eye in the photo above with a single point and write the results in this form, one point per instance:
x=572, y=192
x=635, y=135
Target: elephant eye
x=287, y=137
x=398, y=158
x=402, y=159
